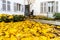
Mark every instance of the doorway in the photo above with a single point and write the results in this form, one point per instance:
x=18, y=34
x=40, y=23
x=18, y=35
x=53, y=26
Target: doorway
x=50, y=7
x=27, y=10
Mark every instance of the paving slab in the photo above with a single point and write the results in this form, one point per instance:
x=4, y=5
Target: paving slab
x=47, y=21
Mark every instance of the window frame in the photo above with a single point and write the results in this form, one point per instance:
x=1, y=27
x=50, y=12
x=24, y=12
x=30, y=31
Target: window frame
x=17, y=7
x=43, y=7
x=7, y=6
x=4, y=3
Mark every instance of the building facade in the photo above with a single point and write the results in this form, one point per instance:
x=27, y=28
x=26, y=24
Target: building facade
x=40, y=7
x=12, y=7
x=46, y=7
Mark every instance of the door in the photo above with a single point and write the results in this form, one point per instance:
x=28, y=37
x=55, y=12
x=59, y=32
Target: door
x=26, y=10
x=50, y=9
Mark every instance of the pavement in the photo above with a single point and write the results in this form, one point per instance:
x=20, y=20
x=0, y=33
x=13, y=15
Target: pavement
x=47, y=21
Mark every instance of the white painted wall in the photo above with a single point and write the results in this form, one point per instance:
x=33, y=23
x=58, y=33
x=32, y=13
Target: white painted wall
x=59, y=6
x=12, y=7
x=36, y=7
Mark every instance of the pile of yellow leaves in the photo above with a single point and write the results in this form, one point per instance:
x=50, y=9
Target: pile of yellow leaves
x=27, y=30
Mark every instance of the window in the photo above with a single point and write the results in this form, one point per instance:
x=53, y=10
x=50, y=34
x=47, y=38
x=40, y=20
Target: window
x=41, y=4
x=4, y=1
x=8, y=6
x=22, y=8
x=56, y=6
x=51, y=7
x=8, y=2
x=57, y=9
x=48, y=9
x=4, y=5
x=17, y=7
x=57, y=3
x=45, y=4
x=43, y=7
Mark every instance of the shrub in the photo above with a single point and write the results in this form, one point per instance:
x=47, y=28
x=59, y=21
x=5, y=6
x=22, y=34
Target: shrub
x=57, y=15
x=4, y=18
x=48, y=18
x=21, y=17
x=37, y=17
x=41, y=17
x=15, y=18
x=18, y=17
x=9, y=18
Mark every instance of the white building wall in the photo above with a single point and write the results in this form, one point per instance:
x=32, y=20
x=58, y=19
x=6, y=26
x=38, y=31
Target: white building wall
x=59, y=6
x=12, y=7
x=37, y=10
x=36, y=7
x=0, y=5
x=37, y=4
